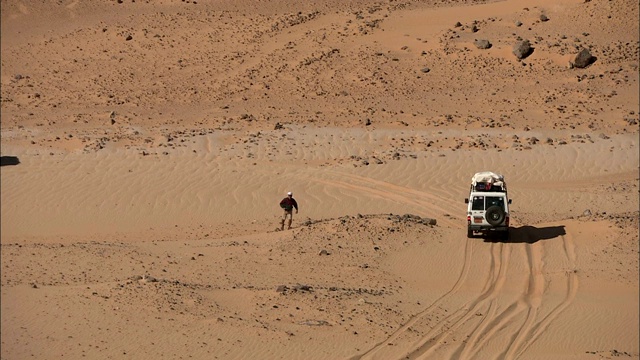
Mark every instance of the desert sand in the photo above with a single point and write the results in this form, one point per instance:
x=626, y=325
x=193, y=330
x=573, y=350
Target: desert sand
x=146, y=146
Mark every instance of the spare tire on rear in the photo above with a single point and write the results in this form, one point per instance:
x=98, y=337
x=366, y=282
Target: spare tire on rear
x=494, y=215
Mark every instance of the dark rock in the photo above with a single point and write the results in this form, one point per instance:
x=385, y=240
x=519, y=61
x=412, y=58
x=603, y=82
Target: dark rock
x=482, y=44
x=417, y=219
x=583, y=59
x=9, y=160
x=315, y=323
x=300, y=287
x=282, y=288
x=247, y=117
x=522, y=49
x=544, y=18
x=406, y=217
x=425, y=70
x=129, y=37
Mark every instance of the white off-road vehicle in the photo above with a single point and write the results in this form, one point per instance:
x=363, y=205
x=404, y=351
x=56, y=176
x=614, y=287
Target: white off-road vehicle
x=488, y=205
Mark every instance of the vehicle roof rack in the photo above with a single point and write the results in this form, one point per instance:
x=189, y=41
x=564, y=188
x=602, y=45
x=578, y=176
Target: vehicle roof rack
x=488, y=181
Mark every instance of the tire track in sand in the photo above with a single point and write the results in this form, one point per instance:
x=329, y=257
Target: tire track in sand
x=426, y=201
x=495, y=280
x=529, y=303
x=525, y=310
x=371, y=353
x=531, y=331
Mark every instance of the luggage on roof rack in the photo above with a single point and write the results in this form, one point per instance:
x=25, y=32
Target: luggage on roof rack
x=488, y=181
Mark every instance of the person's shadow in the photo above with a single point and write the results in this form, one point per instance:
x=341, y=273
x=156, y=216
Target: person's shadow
x=9, y=160
x=530, y=234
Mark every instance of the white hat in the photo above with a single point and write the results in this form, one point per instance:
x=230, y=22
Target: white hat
x=289, y=193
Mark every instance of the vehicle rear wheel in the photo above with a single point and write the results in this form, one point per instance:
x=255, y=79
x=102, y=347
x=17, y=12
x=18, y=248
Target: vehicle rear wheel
x=469, y=233
x=494, y=215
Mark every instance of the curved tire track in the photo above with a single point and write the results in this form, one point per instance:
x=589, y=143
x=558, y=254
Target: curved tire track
x=370, y=354
x=522, y=316
x=500, y=254
x=400, y=194
x=532, y=331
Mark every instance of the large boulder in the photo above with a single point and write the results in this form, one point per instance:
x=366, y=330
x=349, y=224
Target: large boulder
x=482, y=44
x=583, y=59
x=522, y=49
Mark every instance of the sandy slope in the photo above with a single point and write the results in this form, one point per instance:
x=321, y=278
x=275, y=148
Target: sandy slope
x=156, y=138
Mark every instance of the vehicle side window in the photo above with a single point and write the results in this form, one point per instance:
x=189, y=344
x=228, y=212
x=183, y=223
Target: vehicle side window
x=477, y=203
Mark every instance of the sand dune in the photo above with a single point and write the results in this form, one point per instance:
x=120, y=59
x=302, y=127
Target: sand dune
x=146, y=146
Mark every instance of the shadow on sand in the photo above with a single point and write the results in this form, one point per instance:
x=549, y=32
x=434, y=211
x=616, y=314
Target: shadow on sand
x=9, y=160
x=530, y=234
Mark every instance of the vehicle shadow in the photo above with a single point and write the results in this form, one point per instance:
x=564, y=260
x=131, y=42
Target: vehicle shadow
x=529, y=234
x=9, y=160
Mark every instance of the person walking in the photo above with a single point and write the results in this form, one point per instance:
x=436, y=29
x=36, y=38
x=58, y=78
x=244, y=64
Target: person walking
x=288, y=204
